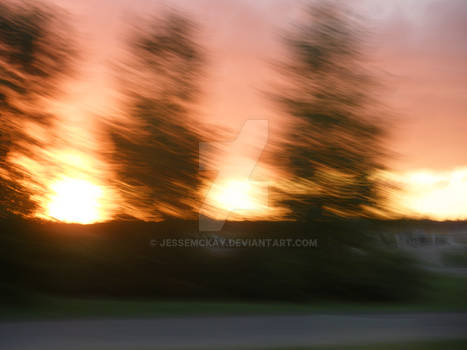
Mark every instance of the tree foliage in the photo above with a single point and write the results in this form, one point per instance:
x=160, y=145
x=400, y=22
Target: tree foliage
x=333, y=149
x=156, y=149
x=35, y=54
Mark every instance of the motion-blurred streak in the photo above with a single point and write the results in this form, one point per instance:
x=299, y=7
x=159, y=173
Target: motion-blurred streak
x=36, y=55
x=156, y=141
x=333, y=149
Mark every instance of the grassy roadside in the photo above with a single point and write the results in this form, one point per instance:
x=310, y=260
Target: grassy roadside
x=455, y=344
x=442, y=294
x=429, y=345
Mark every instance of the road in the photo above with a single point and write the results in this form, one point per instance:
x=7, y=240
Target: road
x=231, y=332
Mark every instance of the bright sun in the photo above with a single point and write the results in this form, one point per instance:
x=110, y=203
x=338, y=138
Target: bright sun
x=75, y=200
x=235, y=195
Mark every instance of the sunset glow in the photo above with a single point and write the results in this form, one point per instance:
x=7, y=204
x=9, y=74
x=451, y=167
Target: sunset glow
x=74, y=169
x=237, y=199
x=433, y=194
x=75, y=201
x=162, y=158
x=235, y=195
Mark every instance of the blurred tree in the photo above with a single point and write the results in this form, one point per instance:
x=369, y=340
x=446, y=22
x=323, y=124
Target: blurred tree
x=156, y=151
x=35, y=55
x=333, y=148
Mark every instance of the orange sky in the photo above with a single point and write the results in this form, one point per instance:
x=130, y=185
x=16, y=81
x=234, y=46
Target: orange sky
x=419, y=51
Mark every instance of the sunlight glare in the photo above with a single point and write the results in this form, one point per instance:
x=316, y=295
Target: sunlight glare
x=434, y=194
x=75, y=201
x=235, y=195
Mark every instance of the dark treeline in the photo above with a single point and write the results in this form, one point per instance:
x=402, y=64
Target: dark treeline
x=117, y=260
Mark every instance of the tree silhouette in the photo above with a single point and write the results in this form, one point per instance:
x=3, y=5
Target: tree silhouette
x=333, y=148
x=156, y=150
x=35, y=55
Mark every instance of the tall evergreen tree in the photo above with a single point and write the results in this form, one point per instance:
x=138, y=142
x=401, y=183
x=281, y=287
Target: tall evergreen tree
x=333, y=148
x=156, y=151
x=35, y=55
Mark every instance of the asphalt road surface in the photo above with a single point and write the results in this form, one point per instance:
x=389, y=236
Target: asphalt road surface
x=230, y=332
